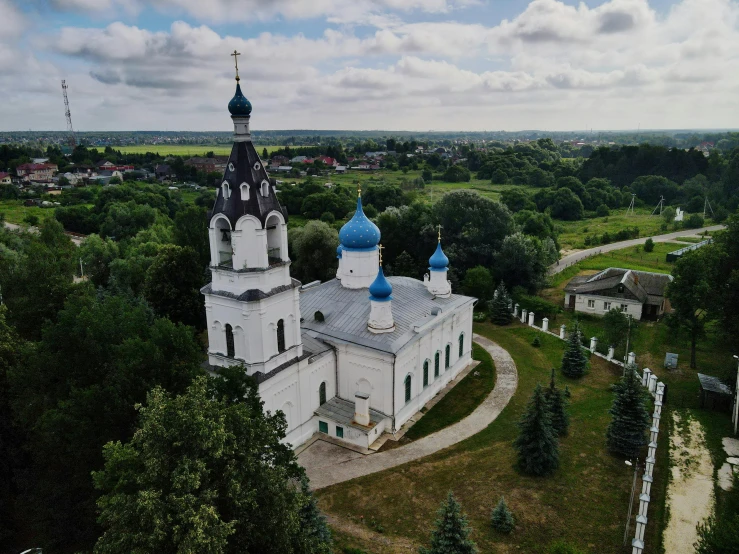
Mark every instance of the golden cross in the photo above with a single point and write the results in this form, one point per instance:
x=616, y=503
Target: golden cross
x=359, y=190
x=236, y=61
x=439, y=232
x=380, y=248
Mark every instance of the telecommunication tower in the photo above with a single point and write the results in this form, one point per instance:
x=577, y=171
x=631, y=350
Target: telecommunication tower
x=71, y=140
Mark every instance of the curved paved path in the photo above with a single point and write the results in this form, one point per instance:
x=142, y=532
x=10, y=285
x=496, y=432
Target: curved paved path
x=506, y=382
x=582, y=254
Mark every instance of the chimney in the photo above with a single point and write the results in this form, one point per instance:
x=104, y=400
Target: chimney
x=361, y=408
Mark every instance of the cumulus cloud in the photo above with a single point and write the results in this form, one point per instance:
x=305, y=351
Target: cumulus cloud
x=551, y=63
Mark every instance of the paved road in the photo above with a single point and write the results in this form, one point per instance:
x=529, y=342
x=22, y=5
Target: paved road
x=14, y=227
x=329, y=469
x=582, y=254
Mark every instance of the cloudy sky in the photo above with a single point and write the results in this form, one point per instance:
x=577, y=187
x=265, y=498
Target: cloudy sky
x=371, y=64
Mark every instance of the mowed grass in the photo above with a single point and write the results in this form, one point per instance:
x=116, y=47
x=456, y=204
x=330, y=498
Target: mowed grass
x=634, y=257
x=572, y=233
x=14, y=211
x=186, y=149
x=584, y=502
x=461, y=401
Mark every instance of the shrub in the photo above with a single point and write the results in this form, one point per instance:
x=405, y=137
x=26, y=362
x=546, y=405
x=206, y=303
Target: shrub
x=536, y=343
x=602, y=211
x=328, y=217
x=502, y=519
x=694, y=221
x=538, y=305
x=648, y=245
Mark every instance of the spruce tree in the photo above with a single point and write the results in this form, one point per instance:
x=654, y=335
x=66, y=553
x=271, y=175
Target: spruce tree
x=502, y=518
x=452, y=533
x=316, y=536
x=557, y=403
x=500, y=311
x=574, y=360
x=537, y=443
x=627, y=432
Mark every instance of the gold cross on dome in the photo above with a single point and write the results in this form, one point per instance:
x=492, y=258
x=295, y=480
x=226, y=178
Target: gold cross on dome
x=359, y=190
x=380, y=248
x=439, y=232
x=236, y=61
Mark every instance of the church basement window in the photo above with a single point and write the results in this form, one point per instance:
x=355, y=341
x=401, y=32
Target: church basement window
x=407, y=389
x=281, y=336
x=437, y=357
x=230, y=347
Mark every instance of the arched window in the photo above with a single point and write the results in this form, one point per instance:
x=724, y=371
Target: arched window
x=281, y=336
x=447, y=356
x=437, y=360
x=461, y=345
x=425, y=373
x=322, y=394
x=407, y=389
x=230, y=348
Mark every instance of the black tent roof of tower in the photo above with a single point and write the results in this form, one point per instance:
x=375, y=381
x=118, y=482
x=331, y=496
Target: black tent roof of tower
x=245, y=168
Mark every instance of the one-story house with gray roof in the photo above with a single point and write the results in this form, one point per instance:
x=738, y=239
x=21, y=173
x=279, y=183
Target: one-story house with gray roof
x=640, y=294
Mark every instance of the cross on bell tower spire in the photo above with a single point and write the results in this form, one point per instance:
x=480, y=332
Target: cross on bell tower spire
x=236, y=61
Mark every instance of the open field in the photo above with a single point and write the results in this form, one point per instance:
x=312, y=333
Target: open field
x=632, y=257
x=185, y=149
x=572, y=233
x=14, y=211
x=590, y=488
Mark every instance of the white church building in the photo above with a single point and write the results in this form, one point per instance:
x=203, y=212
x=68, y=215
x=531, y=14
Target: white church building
x=351, y=358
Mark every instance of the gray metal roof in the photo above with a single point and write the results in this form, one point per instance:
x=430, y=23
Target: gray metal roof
x=341, y=411
x=713, y=384
x=346, y=312
x=644, y=285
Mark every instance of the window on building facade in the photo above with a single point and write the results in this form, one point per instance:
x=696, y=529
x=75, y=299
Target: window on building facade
x=281, y=336
x=230, y=347
x=340, y=432
x=437, y=359
x=322, y=394
x=461, y=345
x=447, y=356
x=408, y=389
x=606, y=306
x=425, y=373
x=624, y=307
x=323, y=427
x=591, y=303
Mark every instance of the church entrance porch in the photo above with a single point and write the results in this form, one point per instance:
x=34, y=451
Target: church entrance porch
x=336, y=418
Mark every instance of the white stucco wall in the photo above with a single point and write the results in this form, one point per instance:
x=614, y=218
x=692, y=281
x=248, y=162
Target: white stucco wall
x=633, y=307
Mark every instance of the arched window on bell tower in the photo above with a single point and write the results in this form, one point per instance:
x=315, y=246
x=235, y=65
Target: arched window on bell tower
x=281, y=336
x=230, y=348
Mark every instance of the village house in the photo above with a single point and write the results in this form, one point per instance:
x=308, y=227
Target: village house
x=5, y=178
x=640, y=294
x=41, y=173
x=208, y=165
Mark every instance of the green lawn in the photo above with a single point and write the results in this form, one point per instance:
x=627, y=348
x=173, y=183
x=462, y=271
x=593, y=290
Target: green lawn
x=583, y=502
x=14, y=211
x=459, y=402
x=634, y=257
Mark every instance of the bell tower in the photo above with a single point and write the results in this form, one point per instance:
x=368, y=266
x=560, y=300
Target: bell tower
x=252, y=305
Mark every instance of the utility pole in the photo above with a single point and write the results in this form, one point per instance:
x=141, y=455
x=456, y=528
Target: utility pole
x=660, y=205
x=72, y=140
x=631, y=499
x=631, y=206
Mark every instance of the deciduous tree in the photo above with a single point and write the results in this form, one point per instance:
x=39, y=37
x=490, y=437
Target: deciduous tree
x=313, y=251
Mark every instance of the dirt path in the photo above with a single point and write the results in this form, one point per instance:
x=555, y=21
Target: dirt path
x=690, y=493
x=325, y=468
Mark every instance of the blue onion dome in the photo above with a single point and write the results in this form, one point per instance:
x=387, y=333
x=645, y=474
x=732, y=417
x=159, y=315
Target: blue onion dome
x=338, y=251
x=359, y=232
x=380, y=289
x=239, y=105
x=438, y=261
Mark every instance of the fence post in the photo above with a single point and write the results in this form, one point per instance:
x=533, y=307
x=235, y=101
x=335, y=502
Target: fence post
x=611, y=352
x=524, y=314
x=593, y=344
x=562, y=331
x=545, y=324
x=531, y=319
